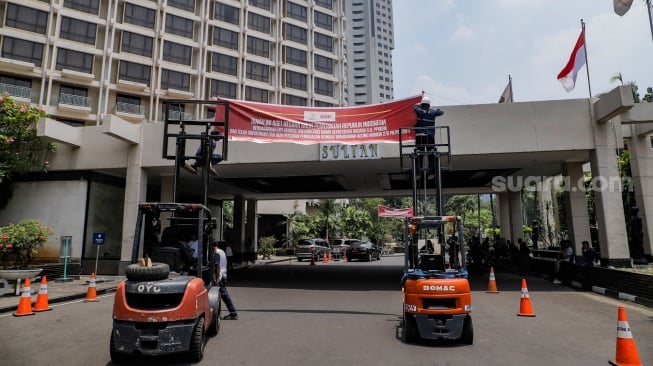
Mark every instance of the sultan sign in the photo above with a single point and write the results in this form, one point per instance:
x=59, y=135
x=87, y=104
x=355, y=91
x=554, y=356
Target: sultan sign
x=329, y=152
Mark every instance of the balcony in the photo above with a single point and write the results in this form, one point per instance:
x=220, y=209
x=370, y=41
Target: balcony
x=175, y=115
x=20, y=93
x=75, y=102
x=134, y=111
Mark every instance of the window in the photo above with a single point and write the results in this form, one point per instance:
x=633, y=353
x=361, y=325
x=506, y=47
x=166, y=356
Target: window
x=179, y=26
x=71, y=90
x=257, y=71
x=295, y=33
x=175, y=80
x=294, y=100
x=78, y=30
x=26, y=18
x=263, y=4
x=137, y=73
x=188, y=5
x=225, y=38
x=18, y=87
x=227, y=13
x=256, y=94
x=325, y=4
x=258, y=23
x=295, y=80
x=87, y=6
x=323, y=87
x=224, y=64
x=136, y=43
x=73, y=60
x=128, y=104
x=319, y=103
x=323, y=42
x=224, y=89
x=324, y=64
x=10, y=80
x=295, y=11
x=295, y=56
x=259, y=47
x=138, y=15
x=323, y=20
x=178, y=53
x=22, y=50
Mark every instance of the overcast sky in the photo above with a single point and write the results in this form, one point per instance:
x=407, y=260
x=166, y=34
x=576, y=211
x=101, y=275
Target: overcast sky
x=462, y=51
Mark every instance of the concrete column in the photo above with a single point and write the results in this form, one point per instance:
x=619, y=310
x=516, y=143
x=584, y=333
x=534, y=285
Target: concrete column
x=252, y=223
x=239, y=223
x=167, y=187
x=641, y=165
x=135, y=192
x=609, y=206
x=578, y=225
x=548, y=221
x=504, y=214
x=516, y=217
x=216, y=211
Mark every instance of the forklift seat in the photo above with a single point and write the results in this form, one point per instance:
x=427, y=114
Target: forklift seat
x=169, y=255
x=432, y=262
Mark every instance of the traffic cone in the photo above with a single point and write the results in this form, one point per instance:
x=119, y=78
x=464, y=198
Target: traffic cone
x=344, y=255
x=25, y=303
x=525, y=308
x=312, y=260
x=492, y=284
x=626, y=349
x=324, y=258
x=41, y=303
x=91, y=294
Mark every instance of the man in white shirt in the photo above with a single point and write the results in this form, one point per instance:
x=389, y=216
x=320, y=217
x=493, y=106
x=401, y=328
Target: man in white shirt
x=220, y=273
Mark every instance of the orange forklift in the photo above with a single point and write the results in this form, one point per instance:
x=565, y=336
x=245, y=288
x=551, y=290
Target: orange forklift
x=168, y=303
x=437, y=301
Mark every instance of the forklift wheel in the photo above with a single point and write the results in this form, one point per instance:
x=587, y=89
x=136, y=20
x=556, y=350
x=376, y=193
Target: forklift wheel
x=158, y=271
x=468, y=331
x=409, y=333
x=214, y=329
x=196, y=349
x=116, y=357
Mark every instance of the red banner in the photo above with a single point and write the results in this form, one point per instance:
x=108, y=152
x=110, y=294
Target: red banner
x=394, y=212
x=260, y=122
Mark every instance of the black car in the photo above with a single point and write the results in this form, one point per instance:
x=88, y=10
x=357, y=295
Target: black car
x=363, y=251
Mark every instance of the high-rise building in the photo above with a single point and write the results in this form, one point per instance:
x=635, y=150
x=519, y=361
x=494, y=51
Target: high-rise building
x=83, y=59
x=370, y=41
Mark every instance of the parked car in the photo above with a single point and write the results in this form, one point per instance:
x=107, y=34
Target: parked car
x=315, y=248
x=340, y=246
x=363, y=251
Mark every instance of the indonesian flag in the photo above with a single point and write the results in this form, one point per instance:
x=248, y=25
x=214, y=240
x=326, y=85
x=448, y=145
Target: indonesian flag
x=568, y=74
x=385, y=211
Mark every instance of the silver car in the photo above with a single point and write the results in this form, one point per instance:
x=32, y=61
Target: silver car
x=312, y=248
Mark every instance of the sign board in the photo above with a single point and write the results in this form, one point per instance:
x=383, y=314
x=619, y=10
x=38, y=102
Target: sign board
x=367, y=151
x=98, y=238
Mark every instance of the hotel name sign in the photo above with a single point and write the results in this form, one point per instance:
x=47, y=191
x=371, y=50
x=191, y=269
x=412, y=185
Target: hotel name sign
x=365, y=151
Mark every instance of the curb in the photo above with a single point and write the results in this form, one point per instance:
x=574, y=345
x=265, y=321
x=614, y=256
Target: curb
x=8, y=309
x=622, y=296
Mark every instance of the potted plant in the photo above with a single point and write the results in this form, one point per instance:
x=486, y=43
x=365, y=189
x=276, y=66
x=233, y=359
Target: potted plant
x=19, y=243
x=267, y=247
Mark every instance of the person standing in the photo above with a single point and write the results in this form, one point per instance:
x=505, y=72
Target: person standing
x=230, y=257
x=220, y=275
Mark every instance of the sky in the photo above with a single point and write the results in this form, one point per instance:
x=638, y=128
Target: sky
x=462, y=51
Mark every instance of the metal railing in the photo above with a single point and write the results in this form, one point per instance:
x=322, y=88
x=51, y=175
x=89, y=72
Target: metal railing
x=16, y=91
x=175, y=115
x=75, y=100
x=135, y=109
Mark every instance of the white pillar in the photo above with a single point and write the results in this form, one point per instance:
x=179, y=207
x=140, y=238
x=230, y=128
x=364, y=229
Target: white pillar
x=578, y=224
x=135, y=192
x=641, y=165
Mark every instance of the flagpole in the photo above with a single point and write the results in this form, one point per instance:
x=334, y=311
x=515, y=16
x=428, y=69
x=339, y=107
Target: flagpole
x=587, y=65
x=512, y=99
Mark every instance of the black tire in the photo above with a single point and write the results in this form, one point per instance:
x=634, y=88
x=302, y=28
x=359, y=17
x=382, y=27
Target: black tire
x=214, y=329
x=116, y=357
x=196, y=348
x=158, y=271
x=468, y=331
x=409, y=334
x=369, y=257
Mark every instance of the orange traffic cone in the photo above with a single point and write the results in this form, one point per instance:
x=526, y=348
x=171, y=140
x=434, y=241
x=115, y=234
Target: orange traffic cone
x=626, y=349
x=91, y=294
x=25, y=303
x=324, y=258
x=41, y=303
x=344, y=256
x=312, y=260
x=525, y=308
x=492, y=284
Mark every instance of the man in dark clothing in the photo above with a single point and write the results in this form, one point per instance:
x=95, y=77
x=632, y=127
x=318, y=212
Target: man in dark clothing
x=199, y=155
x=425, y=127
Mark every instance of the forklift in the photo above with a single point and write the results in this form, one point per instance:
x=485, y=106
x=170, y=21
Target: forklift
x=437, y=302
x=169, y=302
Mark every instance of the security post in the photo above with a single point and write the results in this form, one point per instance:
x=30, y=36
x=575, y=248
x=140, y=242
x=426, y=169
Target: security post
x=65, y=244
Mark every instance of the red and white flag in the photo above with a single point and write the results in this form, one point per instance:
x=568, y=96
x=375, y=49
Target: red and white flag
x=568, y=74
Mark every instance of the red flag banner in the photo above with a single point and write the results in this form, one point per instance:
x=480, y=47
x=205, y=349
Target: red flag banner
x=394, y=212
x=260, y=122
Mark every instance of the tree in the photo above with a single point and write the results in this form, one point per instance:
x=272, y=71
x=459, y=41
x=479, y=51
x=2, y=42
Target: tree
x=21, y=150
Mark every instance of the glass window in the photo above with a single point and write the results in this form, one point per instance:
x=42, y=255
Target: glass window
x=178, y=53
x=295, y=56
x=325, y=4
x=25, y=18
x=294, y=100
x=258, y=23
x=225, y=38
x=22, y=50
x=188, y=5
x=319, y=103
x=179, y=26
x=323, y=20
x=227, y=13
x=128, y=99
x=137, y=73
x=295, y=33
x=175, y=80
x=78, y=30
x=136, y=43
x=256, y=94
x=323, y=42
x=71, y=90
x=323, y=87
x=258, y=71
x=263, y=4
x=295, y=11
x=259, y=47
x=295, y=80
x=73, y=60
x=324, y=64
x=224, y=89
x=10, y=80
x=224, y=64
x=138, y=15
x=87, y=6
